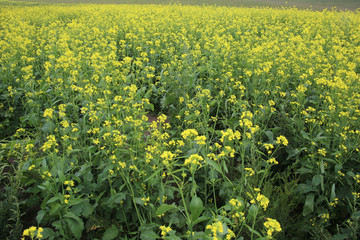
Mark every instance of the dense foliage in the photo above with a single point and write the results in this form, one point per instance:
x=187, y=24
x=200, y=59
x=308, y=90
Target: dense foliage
x=179, y=122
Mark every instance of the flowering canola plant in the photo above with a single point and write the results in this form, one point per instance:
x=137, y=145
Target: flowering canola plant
x=115, y=117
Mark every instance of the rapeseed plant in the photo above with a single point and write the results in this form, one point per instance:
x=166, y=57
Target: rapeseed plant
x=249, y=95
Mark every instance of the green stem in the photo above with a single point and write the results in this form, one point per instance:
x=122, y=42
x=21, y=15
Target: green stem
x=128, y=184
x=186, y=210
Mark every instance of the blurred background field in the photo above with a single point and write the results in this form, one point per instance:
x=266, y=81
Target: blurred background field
x=316, y=5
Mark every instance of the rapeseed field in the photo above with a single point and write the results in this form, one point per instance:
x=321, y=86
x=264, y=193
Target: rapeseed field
x=179, y=122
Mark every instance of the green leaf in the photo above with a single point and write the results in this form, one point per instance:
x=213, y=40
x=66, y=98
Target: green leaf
x=148, y=235
x=53, y=199
x=225, y=167
x=213, y=102
x=213, y=164
x=55, y=209
x=153, y=175
x=76, y=225
x=356, y=215
x=305, y=135
x=339, y=237
x=316, y=180
x=87, y=209
x=253, y=230
x=48, y=233
x=309, y=204
x=40, y=216
x=270, y=136
x=164, y=208
x=172, y=236
x=333, y=194
x=48, y=127
x=110, y=233
x=75, y=201
x=253, y=211
x=61, y=176
x=196, y=207
x=200, y=219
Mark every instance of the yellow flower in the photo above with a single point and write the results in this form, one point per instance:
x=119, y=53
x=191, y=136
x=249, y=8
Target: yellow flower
x=164, y=230
x=33, y=232
x=282, y=140
x=167, y=156
x=189, y=133
x=65, y=124
x=322, y=152
x=272, y=225
x=263, y=200
x=40, y=230
x=250, y=171
x=26, y=232
x=200, y=140
x=48, y=113
x=235, y=202
x=272, y=160
x=29, y=147
x=194, y=159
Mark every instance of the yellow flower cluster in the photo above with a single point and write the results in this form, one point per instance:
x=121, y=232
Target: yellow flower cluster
x=235, y=202
x=201, y=140
x=261, y=199
x=33, y=232
x=164, y=230
x=230, y=135
x=250, y=172
x=189, y=133
x=217, y=230
x=48, y=113
x=51, y=141
x=194, y=160
x=167, y=156
x=334, y=202
x=272, y=225
x=282, y=140
x=272, y=161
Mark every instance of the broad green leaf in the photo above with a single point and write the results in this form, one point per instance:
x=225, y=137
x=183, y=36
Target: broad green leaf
x=40, y=216
x=172, y=236
x=339, y=237
x=200, y=219
x=148, y=235
x=316, y=180
x=270, y=136
x=213, y=164
x=309, y=204
x=55, y=209
x=356, y=215
x=61, y=176
x=110, y=233
x=164, y=208
x=75, y=224
x=53, y=199
x=48, y=233
x=48, y=127
x=196, y=207
x=253, y=211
